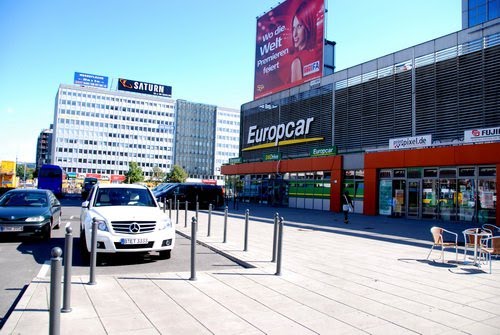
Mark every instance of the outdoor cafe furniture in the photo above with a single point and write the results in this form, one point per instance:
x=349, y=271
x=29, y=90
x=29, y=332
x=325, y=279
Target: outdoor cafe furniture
x=438, y=234
x=473, y=237
x=490, y=246
x=494, y=230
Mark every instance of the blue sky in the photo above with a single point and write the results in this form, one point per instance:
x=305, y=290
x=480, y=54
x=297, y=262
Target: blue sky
x=204, y=49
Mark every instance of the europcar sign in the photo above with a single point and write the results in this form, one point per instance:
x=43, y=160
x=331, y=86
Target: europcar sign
x=144, y=88
x=291, y=132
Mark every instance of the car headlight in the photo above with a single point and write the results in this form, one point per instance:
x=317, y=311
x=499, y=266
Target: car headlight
x=164, y=224
x=35, y=219
x=101, y=224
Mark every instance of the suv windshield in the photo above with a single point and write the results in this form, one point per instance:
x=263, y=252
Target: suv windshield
x=123, y=197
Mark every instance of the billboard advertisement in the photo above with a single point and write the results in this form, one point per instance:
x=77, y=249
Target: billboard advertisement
x=93, y=80
x=144, y=88
x=289, y=46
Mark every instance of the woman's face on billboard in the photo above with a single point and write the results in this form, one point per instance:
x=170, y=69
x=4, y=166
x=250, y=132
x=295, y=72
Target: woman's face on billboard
x=299, y=34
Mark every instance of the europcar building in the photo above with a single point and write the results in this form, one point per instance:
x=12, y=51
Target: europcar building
x=414, y=134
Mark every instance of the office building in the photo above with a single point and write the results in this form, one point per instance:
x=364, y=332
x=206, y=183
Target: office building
x=98, y=132
x=476, y=12
x=414, y=134
x=43, y=147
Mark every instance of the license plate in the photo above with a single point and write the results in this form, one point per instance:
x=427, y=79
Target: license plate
x=134, y=241
x=11, y=228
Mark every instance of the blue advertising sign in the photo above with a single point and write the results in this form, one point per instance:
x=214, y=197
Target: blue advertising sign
x=90, y=80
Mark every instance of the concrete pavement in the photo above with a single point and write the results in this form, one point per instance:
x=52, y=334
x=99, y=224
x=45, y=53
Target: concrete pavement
x=368, y=277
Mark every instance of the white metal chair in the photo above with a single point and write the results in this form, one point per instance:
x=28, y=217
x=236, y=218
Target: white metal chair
x=491, y=228
x=490, y=246
x=470, y=240
x=437, y=235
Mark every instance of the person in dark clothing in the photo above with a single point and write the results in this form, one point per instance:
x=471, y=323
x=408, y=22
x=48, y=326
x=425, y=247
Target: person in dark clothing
x=347, y=206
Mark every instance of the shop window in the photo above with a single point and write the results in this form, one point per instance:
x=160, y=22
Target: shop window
x=487, y=195
x=487, y=171
x=430, y=173
x=354, y=183
x=466, y=172
x=447, y=173
x=400, y=173
x=385, y=174
x=415, y=173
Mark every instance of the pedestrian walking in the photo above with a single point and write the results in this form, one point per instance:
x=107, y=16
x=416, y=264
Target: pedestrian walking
x=347, y=206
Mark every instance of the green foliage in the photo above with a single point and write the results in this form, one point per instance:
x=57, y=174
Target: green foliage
x=176, y=175
x=158, y=175
x=20, y=172
x=134, y=174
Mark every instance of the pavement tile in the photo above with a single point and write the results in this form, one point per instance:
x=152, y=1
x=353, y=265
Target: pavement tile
x=136, y=322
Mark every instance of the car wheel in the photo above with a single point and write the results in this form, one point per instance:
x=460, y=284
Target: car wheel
x=165, y=254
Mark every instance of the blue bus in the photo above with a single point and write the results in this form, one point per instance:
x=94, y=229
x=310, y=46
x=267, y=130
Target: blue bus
x=51, y=177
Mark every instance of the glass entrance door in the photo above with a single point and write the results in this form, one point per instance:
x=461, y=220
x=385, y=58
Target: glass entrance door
x=413, y=197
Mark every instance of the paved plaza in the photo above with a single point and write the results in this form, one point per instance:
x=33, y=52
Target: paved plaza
x=370, y=276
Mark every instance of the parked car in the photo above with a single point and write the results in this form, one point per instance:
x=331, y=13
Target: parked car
x=88, y=183
x=162, y=189
x=128, y=218
x=162, y=186
x=29, y=212
x=204, y=194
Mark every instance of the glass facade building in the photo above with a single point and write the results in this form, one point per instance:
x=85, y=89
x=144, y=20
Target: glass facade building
x=475, y=12
x=415, y=133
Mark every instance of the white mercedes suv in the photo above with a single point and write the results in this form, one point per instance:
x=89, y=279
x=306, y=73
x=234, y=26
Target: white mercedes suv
x=129, y=219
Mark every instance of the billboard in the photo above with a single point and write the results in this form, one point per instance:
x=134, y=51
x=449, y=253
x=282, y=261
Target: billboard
x=86, y=79
x=289, y=46
x=144, y=88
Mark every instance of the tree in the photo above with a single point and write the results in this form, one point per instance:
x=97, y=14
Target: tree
x=158, y=175
x=176, y=175
x=134, y=174
x=20, y=171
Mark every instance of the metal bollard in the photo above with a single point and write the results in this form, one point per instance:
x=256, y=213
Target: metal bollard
x=280, y=247
x=197, y=209
x=209, y=218
x=170, y=209
x=93, y=253
x=177, y=217
x=193, y=248
x=68, y=262
x=247, y=214
x=275, y=236
x=225, y=225
x=55, y=292
x=186, y=215
x=164, y=205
